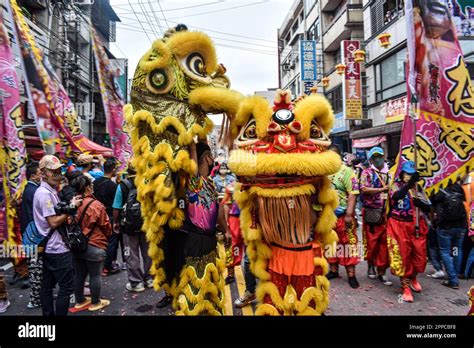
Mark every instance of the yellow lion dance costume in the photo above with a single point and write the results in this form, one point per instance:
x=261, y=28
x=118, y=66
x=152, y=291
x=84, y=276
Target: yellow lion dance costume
x=175, y=84
x=287, y=203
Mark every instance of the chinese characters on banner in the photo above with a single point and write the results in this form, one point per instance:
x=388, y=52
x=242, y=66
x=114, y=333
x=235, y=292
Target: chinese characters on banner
x=12, y=145
x=352, y=84
x=439, y=78
x=308, y=65
x=395, y=110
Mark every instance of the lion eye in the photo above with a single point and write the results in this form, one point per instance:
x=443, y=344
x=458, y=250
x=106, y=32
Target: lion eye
x=195, y=63
x=315, y=132
x=249, y=132
x=157, y=81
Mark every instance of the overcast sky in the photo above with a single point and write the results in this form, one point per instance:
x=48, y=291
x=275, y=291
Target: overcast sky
x=245, y=33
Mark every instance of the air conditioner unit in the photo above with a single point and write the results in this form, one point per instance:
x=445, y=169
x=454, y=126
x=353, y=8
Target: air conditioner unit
x=83, y=2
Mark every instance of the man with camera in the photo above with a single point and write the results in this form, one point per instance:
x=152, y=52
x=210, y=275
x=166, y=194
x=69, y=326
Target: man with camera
x=57, y=259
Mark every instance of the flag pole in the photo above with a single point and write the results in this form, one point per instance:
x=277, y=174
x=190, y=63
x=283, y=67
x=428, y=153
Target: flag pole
x=413, y=115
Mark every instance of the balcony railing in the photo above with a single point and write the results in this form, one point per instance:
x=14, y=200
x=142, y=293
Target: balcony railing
x=340, y=28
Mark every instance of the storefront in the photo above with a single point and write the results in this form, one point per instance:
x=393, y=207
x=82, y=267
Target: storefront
x=386, y=136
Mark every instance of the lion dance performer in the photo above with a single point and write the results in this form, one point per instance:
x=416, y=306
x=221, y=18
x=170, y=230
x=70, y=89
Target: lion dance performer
x=406, y=245
x=175, y=84
x=286, y=200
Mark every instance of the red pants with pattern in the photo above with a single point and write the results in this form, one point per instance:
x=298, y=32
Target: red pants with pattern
x=237, y=240
x=375, y=241
x=407, y=253
x=346, y=251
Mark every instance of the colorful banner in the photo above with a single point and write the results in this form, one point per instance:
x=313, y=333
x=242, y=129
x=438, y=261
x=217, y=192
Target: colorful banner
x=395, y=110
x=55, y=117
x=309, y=71
x=368, y=142
x=113, y=98
x=352, y=84
x=462, y=12
x=439, y=78
x=12, y=145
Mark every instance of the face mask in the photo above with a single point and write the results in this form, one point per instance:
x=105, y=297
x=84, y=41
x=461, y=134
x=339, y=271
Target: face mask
x=406, y=177
x=378, y=162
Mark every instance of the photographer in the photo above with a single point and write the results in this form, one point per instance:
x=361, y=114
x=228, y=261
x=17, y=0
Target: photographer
x=57, y=259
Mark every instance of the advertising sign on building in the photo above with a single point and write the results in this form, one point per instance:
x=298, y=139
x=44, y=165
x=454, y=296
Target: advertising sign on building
x=395, y=110
x=352, y=84
x=339, y=123
x=308, y=65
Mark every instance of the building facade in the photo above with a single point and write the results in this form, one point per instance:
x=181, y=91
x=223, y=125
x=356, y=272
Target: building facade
x=328, y=23
x=383, y=74
x=386, y=70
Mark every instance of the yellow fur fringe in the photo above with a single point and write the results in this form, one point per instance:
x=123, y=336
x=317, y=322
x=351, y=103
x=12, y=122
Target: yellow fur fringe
x=185, y=42
x=244, y=163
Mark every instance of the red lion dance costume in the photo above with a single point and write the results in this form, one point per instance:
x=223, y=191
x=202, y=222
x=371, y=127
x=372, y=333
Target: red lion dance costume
x=286, y=200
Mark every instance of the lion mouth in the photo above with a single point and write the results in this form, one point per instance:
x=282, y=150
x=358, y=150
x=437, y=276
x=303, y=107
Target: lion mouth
x=277, y=181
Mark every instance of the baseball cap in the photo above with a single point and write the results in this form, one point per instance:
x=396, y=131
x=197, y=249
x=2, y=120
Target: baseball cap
x=84, y=159
x=50, y=162
x=409, y=167
x=375, y=150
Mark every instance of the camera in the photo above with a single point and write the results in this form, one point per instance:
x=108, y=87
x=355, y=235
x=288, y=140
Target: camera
x=65, y=208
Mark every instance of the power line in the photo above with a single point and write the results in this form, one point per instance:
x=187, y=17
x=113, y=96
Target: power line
x=222, y=10
x=124, y=55
x=161, y=9
x=180, y=8
x=149, y=20
x=219, y=44
x=215, y=11
x=139, y=21
x=212, y=31
x=158, y=20
x=219, y=38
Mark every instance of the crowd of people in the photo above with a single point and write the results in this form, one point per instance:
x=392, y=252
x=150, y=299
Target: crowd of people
x=76, y=217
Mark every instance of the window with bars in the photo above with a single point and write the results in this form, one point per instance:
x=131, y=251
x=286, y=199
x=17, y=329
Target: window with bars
x=383, y=12
x=335, y=98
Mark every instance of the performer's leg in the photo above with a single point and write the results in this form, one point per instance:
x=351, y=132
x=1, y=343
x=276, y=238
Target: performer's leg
x=350, y=257
x=418, y=255
x=407, y=296
x=369, y=241
x=381, y=253
x=334, y=259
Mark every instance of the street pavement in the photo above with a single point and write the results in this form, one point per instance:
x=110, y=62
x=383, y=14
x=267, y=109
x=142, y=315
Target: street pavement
x=372, y=298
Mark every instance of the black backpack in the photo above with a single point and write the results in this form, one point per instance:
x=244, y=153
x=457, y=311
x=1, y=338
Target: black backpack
x=131, y=218
x=452, y=207
x=72, y=233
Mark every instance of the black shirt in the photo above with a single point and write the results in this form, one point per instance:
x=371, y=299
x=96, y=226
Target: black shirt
x=26, y=215
x=104, y=191
x=439, y=198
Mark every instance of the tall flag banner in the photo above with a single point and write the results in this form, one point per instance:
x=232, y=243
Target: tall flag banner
x=113, y=98
x=55, y=116
x=440, y=80
x=12, y=144
x=352, y=82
